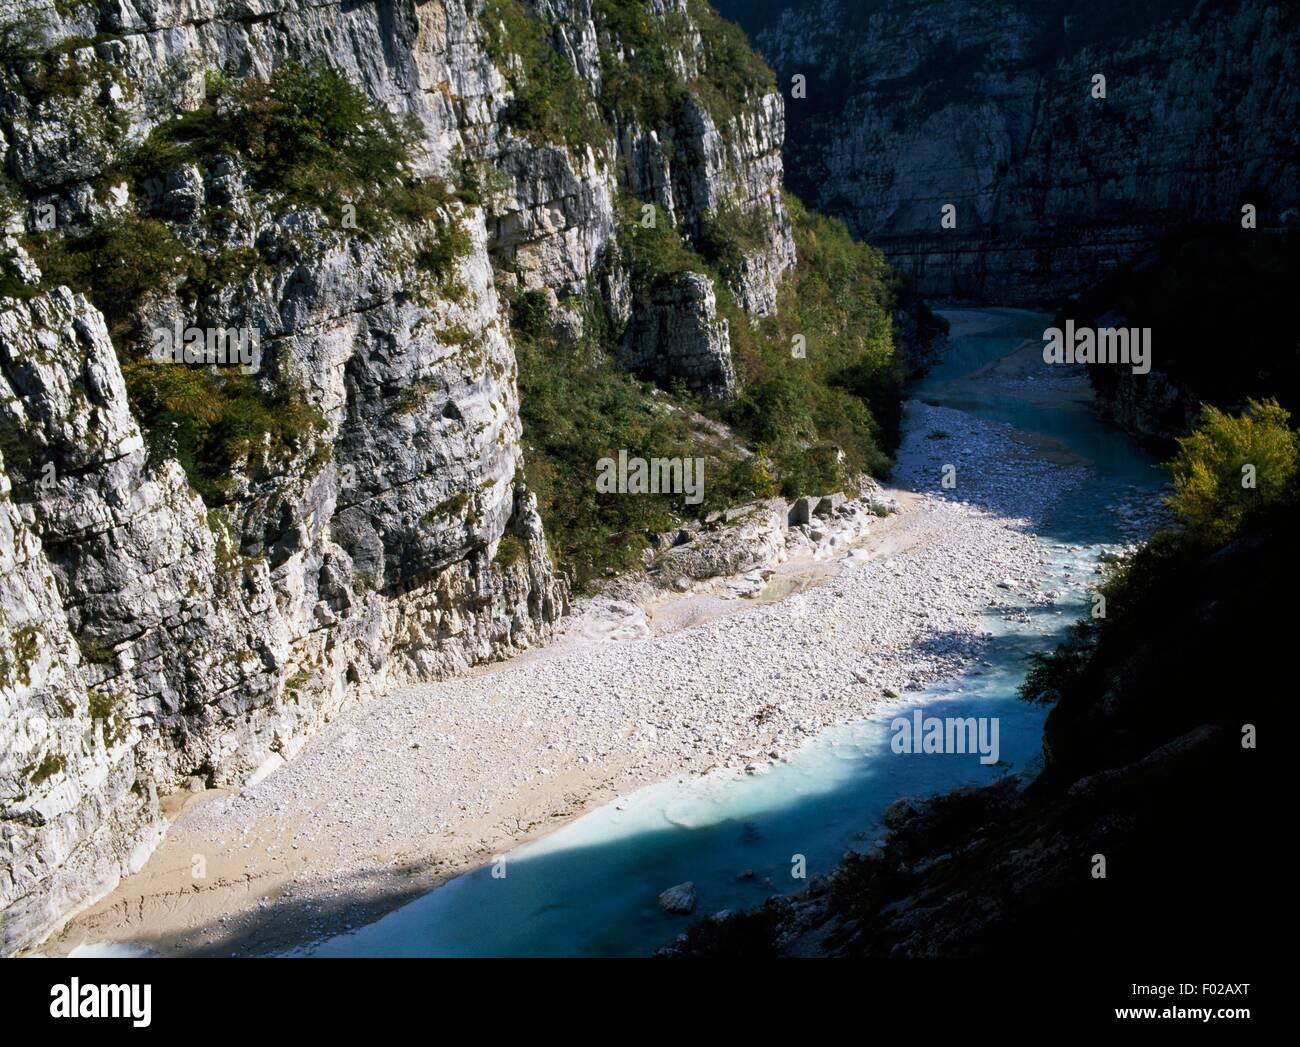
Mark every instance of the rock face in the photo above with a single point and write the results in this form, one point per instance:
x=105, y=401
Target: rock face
x=989, y=107
x=160, y=629
x=677, y=335
x=1155, y=411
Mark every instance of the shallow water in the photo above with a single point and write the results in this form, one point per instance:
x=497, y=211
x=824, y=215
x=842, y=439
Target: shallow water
x=1069, y=424
x=591, y=887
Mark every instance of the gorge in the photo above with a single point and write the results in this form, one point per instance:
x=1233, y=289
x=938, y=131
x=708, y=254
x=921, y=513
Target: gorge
x=212, y=567
x=366, y=614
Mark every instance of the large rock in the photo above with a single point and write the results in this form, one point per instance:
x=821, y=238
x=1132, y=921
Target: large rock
x=679, y=900
x=753, y=541
x=676, y=335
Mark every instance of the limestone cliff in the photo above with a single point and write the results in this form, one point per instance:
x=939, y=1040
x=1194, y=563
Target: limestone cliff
x=912, y=105
x=196, y=567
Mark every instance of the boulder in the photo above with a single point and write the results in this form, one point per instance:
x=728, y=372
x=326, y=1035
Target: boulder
x=679, y=900
x=802, y=510
x=828, y=503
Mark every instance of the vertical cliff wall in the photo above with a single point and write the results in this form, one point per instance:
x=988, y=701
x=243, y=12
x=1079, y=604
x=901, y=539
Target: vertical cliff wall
x=912, y=105
x=199, y=565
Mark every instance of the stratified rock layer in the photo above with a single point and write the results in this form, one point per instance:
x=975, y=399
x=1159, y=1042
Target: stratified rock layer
x=150, y=640
x=912, y=105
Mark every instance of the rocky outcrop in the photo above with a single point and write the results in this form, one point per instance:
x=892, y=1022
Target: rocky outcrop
x=679, y=900
x=212, y=641
x=754, y=537
x=1155, y=409
x=74, y=814
x=694, y=170
x=676, y=335
x=167, y=623
x=990, y=108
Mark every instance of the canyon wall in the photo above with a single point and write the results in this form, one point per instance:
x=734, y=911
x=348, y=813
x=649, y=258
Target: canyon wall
x=912, y=105
x=168, y=623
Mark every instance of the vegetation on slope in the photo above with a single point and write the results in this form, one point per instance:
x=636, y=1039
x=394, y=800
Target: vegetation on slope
x=814, y=423
x=578, y=405
x=642, y=82
x=846, y=392
x=309, y=138
x=215, y=425
x=550, y=103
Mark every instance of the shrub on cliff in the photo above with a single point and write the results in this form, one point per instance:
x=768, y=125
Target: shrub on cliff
x=116, y=265
x=551, y=102
x=730, y=235
x=216, y=425
x=654, y=253
x=308, y=134
x=642, y=81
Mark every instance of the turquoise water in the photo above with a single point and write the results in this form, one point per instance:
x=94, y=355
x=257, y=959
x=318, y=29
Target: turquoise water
x=1116, y=461
x=591, y=888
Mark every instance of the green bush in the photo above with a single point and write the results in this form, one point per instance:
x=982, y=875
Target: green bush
x=639, y=79
x=578, y=406
x=654, y=254
x=550, y=103
x=116, y=265
x=510, y=550
x=439, y=253
x=308, y=134
x=847, y=390
x=1210, y=491
x=530, y=314
x=216, y=425
x=730, y=236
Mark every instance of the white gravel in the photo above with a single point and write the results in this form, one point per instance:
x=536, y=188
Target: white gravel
x=399, y=793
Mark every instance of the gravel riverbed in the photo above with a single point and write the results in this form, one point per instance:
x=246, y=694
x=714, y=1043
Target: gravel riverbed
x=399, y=794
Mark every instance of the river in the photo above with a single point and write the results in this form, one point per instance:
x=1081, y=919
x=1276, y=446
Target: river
x=591, y=887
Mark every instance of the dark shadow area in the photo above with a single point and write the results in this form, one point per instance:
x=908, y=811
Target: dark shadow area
x=1150, y=831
